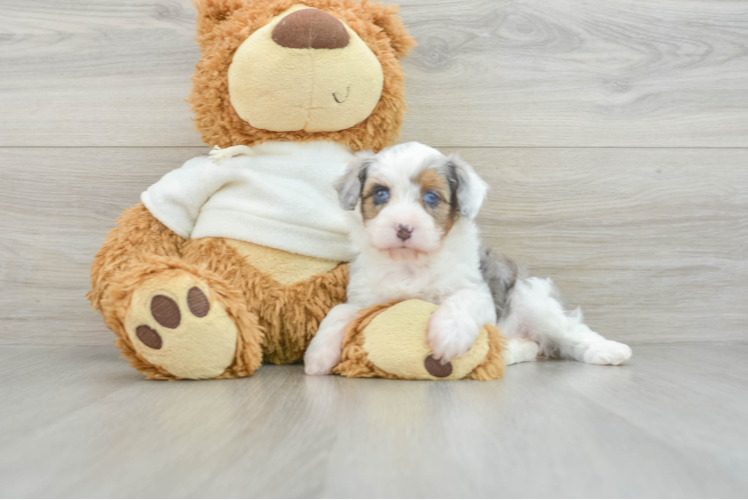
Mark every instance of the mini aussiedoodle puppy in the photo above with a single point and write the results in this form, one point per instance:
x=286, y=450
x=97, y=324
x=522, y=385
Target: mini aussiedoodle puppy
x=415, y=238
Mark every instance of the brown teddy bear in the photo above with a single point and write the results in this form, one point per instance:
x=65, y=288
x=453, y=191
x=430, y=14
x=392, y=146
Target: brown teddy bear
x=188, y=298
x=234, y=259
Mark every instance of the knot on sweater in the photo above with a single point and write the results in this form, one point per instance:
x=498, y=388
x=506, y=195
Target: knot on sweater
x=219, y=155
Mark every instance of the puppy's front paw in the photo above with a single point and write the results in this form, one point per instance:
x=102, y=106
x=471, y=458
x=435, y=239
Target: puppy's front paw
x=607, y=352
x=451, y=333
x=320, y=359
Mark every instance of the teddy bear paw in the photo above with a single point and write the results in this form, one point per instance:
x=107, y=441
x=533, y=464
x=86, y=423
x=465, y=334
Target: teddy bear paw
x=175, y=326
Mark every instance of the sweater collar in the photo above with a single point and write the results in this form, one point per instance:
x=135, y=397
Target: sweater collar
x=315, y=150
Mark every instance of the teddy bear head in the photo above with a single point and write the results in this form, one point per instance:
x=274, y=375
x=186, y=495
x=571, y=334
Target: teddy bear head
x=299, y=70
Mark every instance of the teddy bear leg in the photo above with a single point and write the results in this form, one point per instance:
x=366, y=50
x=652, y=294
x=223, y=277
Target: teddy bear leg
x=173, y=320
x=137, y=237
x=179, y=321
x=289, y=314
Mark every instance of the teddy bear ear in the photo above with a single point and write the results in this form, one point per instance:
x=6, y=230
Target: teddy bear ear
x=211, y=13
x=388, y=19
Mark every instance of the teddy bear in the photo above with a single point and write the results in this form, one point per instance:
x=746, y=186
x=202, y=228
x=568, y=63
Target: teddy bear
x=234, y=258
x=226, y=264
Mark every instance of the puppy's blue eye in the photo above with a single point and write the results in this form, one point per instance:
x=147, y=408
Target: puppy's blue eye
x=381, y=195
x=431, y=198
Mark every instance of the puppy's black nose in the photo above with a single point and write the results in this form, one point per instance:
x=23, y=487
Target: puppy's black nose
x=404, y=232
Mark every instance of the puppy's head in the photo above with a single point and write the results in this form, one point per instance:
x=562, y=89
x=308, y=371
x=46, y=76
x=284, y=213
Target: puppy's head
x=410, y=196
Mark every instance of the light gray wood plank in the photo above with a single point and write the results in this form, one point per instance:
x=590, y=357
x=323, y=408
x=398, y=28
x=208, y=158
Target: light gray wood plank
x=670, y=424
x=578, y=73
x=486, y=73
x=92, y=73
x=54, y=216
x=42, y=385
x=651, y=243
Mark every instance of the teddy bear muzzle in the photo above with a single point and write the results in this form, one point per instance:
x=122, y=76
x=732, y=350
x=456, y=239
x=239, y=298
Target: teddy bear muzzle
x=312, y=66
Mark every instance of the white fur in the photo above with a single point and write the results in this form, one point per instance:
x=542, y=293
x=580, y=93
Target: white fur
x=321, y=355
x=536, y=314
x=519, y=350
x=445, y=270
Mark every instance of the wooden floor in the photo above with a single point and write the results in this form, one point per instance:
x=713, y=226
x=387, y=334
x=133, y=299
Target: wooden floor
x=77, y=422
x=614, y=135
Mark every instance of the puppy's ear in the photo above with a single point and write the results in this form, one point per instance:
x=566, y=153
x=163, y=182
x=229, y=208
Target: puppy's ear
x=349, y=186
x=469, y=189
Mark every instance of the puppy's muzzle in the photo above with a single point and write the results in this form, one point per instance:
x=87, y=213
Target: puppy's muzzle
x=404, y=232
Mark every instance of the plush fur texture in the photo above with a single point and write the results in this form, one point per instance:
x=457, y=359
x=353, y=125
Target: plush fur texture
x=286, y=268
x=275, y=319
x=501, y=274
x=288, y=314
x=141, y=248
x=281, y=318
x=407, y=248
x=162, y=270
x=137, y=236
x=223, y=25
x=355, y=358
x=434, y=262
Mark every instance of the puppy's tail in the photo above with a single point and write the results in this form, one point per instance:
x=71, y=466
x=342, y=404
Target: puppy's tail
x=500, y=274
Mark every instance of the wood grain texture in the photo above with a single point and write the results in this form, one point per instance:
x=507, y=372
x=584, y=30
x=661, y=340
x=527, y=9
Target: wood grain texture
x=96, y=73
x=651, y=243
x=56, y=207
x=670, y=424
x=577, y=73
x=640, y=215
x=486, y=73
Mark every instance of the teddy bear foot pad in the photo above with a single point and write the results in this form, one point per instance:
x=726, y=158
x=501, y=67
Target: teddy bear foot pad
x=173, y=325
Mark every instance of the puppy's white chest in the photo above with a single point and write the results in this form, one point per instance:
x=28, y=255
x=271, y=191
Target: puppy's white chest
x=411, y=283
x=410, y=290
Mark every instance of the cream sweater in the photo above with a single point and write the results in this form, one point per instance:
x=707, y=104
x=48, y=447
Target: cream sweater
x=281, y=196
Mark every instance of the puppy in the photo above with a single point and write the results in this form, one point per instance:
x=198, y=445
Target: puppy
x=415, y=238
